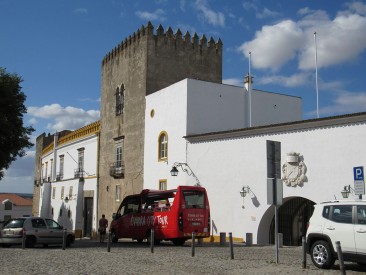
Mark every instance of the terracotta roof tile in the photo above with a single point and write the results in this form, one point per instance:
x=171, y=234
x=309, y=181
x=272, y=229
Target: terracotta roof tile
x=16, y=199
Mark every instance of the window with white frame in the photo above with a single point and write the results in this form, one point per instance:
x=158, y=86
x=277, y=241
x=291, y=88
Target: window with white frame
x=62, y=192
x=53, y=192
x=62, y=162
x=163, y=185
x=70, y=192
x=163, y=146
x=119, y=152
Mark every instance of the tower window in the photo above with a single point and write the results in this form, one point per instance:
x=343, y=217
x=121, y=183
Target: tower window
x=120, y=98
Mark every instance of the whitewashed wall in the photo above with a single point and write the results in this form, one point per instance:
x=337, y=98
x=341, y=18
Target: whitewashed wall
x=227, y=164
x=75, y=205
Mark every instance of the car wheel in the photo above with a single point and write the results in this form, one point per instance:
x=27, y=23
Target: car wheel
x=114, y=237
x=140, y=240
x=321, y=255
x=30, y=241
x=178, y=242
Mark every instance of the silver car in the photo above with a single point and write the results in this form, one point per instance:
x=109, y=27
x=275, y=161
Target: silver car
x=36, y=230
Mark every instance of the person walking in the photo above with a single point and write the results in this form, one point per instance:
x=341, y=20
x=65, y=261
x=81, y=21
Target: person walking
x=103, y=224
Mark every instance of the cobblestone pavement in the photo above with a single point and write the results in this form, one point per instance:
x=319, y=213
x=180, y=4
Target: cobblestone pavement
x=126, y=257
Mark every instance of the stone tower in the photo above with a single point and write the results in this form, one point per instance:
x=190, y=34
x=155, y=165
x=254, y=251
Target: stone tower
x=142, y=64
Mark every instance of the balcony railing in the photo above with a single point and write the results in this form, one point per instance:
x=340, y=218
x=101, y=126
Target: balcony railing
x=79, y=173
x=38, y=182
x=117, y=170
x=59, y=176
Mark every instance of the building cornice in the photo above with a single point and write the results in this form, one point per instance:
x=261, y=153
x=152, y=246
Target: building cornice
x=88, y=130
x=302, y=125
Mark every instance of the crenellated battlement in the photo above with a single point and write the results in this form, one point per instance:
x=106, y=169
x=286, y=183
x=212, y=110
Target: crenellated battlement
x=177, y=39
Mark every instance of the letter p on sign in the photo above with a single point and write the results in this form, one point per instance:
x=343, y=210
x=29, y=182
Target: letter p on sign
x=358, y=173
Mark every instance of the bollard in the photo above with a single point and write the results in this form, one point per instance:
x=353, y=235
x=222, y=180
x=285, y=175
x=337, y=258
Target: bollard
x=231, y=245
x=303, y=252
x=64, y=239
x=340, y=258
x=152, y=241
x=249, y=239
x=222, y=238
x=280, y=240
x=193, y=243
x=23, y=239
x=109, y=241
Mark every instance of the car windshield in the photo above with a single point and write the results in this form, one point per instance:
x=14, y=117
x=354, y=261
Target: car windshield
x=17, y=223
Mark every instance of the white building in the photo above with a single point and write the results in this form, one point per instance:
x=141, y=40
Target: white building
x=69, y=180
x=14, y=206
x=193, y=107
x=205, y=126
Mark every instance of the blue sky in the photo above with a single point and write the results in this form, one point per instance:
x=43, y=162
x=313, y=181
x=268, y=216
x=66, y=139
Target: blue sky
x=57, y=48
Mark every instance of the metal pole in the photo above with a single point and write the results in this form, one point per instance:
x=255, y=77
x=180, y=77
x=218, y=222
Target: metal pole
x=109, y=241
x=231, y=245
x=23, y=239
x=340, y=258
x=276, y=232
x=152, y=241
x=64, y=240
x=316, y=76
x=193, y=243
x=303, y=252
x=250, y=91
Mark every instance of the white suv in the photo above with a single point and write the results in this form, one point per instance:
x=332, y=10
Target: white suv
x=343, y=221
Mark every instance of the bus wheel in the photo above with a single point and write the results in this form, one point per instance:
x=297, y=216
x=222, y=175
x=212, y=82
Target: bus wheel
x=178, y=242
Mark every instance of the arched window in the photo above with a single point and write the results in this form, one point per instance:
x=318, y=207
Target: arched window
x=163, y=146
x=120, y=98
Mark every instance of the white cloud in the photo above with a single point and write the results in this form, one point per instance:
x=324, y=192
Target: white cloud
x=212, y=17
x=157, y=14
x=32, y=121
x=344, y=103
x=69, y=118
x=274, y=45
x=339, y=40
x=266, y=13
x=295, y=80
x=182, y=5
x=80, y=11
x=233, y=81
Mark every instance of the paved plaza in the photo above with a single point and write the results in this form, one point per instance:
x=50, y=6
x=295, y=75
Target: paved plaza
x=126, y=257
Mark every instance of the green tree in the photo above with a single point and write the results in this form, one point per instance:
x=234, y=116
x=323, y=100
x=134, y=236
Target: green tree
x=14, y=137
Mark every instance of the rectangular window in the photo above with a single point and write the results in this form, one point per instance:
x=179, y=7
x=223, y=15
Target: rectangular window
x=51, y=170
x=70, y=192
x=163, y=185
x=81, y=159
x=361, y=214
x=342, y=213
x=119, y=151
x=53, y=192
x=62, y=192
x=61, y=173
x=118, y=192
x=46, y=172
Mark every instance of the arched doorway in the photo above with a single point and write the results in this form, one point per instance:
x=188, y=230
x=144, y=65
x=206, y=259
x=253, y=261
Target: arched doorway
x=293, y=217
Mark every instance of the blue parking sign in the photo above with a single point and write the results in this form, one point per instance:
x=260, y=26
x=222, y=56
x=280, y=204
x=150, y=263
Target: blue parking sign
x=358, y=173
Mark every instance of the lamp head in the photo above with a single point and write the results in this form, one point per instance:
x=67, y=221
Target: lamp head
x=174, y=171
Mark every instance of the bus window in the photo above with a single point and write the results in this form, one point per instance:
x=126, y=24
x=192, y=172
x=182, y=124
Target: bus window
x=194, y=199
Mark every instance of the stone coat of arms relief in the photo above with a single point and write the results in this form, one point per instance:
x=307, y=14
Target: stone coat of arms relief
x=294, y=170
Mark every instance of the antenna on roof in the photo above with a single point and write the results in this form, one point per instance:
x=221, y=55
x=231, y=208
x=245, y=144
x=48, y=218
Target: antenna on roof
x=250, y=91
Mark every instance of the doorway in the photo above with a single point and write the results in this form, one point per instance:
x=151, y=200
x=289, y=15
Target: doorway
x=293, y=217
x=88, y=217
